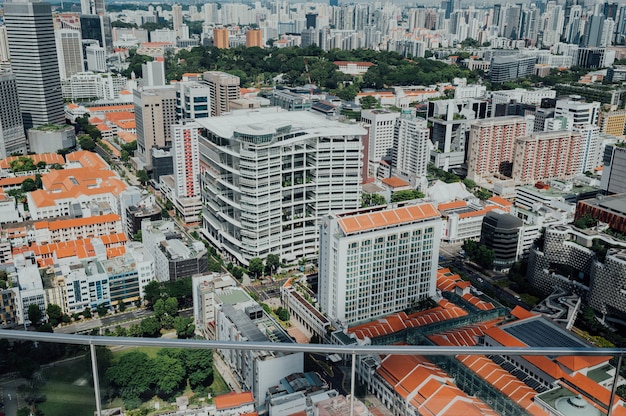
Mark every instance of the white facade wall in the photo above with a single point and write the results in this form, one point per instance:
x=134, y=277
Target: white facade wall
x=381, y=125
x=373, y=273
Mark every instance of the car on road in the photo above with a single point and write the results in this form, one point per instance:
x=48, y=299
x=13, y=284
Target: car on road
x=518, y=298
x=480, y=280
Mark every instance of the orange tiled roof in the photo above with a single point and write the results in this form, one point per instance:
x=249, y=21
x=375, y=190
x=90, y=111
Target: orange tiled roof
x=49, y=158
x=500, y=201
x=17, y=180
x=127, y=136
x=378, y=219
x=120, y=116
x=87, y=160
x=452, y=205
x=110, y=108
x=76, y=222
x=399, y=321
x=477, y=213
x=577, y=363
x=521, y=313
x=103, y=127
x=232, y=400
x=395, y=182
x=126, y=125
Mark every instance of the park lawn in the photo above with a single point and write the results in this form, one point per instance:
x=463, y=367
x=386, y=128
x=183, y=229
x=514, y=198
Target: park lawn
x=151, y=352
x=68, y=390
x=218, y=386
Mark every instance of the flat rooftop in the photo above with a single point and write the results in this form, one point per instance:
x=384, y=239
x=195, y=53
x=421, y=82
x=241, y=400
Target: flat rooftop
x=264, y=120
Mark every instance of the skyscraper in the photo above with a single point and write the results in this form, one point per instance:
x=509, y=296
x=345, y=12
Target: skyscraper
x=177, y=17
x=155, y=112
x=34, y=62
x=224, y=89
x=70, y=52
x=220, y=38
x=254, y=37
x=12, y=137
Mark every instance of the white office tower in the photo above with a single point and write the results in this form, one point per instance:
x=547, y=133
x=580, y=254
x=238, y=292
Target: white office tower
x=381, y=132
x=69, y=52
x=12, y=137
x=186, y=160
x=376, y=262
x=193, y=100
x=411, y=145
x=579, y=111
x=268, y=176
x=591, y=149
x=96, y=58
x=34, y=62
x=153, y=74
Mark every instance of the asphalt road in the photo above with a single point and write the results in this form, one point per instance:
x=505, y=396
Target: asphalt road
x=112, y=320
x=8, y=396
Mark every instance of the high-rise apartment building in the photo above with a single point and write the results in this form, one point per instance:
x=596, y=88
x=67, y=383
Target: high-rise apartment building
x=155, y=112
x=177, y=18
x=69, y=52
x=224, y=88
x=254, y=38
x=186, y=157
x=381, y=124
x=34, y=62
x=614, y=174
x=220, y=37
x=411, y=145
x=12, y=137
x=612, y=122
x=268, y=177
x=547, y=155
x=376, y=262
x=490, y=147
x=590, y=147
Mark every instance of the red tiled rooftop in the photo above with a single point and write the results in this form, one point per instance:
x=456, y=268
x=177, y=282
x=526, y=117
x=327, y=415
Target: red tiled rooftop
x=233, y=400
x=379, y=219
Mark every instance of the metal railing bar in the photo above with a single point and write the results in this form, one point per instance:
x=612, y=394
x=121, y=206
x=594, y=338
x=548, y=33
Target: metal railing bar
x=322, y=349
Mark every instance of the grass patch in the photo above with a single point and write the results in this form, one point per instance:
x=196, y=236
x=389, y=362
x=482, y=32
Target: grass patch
x=151, y=352
x=218, y=386
x=68, y=390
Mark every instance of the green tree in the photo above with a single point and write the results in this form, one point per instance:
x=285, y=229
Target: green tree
x=28, y=185
x=87, y=313
x=168, y=374
x=272, y=263
x=372, y=200
x=199, y=366
x=406, y=195
x=132, y=375
x=171, y=306
x=152, y=292
x=368, y=102
x=159, y=308
x=283, y=314
x=469, y=184
x=55, y=314
x=87, y=143
x=150, y=327
x=34, y=313
x=142, y=177
x=255, y=267
x=102, y=310
x=184, y=327
x=238, y=273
